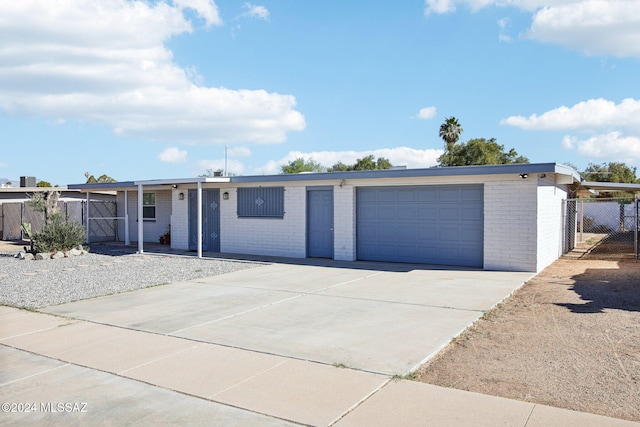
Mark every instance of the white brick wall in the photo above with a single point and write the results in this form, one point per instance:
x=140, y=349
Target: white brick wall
x=180, y=220
x=344, y=223
x=265, y=236
x=550, y=221
x=510, y=225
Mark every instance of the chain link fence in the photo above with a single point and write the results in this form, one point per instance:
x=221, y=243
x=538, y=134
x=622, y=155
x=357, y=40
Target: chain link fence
x=602, y=228
x=14, y=214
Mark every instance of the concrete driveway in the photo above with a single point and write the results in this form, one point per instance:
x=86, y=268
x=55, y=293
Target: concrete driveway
x=375, y=317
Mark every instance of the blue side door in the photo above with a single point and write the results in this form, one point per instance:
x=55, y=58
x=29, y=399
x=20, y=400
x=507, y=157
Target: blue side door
x=320, y=223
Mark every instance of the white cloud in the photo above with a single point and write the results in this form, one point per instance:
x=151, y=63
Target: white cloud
x=399, y=156
x=207, y=9
x=173, y=155
x=586, y=116
x=503, y=23
x=255, y=11
x=238, y=152
x=427, y=113
x=123, y=77
x=598, y=27
x=613, y=129
x=595, y=27
x=439, y=6
x=612, y=145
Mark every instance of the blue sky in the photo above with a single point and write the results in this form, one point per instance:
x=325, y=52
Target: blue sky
x=157, y=89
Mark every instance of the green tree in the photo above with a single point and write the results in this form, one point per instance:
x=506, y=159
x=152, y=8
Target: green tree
x=364, y=164
x=480, y=151
x=43, y=184
x=102, y=178
x=610, y=172
x=340, y=167
x=301, y=165
x=450, y=132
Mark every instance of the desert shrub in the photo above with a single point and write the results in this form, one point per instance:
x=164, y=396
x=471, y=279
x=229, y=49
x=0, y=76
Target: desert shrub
x=58, y=235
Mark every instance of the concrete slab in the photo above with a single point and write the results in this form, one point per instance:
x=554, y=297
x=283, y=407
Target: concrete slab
x=16, y=365
x=15, y=322
x=547, y=416
x=287, y=277
x=407, y=403
x=68, y=336
x=205, y=370
x=90, y=397
x=169, y=308
x=370, y=335
x=305, y=392
x=103, y=347
x=477, y=290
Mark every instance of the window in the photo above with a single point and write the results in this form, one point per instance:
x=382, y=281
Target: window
x=261, y=202
x=149, y=206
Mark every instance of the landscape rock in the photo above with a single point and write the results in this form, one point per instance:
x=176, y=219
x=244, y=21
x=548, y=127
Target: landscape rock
x=40, y=256
x=58, y=255
x=25, y=255
x=75, y=252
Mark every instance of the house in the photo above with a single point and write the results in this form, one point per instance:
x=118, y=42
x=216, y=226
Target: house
x=499, y=217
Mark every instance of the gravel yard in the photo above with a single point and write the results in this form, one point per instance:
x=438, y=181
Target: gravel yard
x=35, y=284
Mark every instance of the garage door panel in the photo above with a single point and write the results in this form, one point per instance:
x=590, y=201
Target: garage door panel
x=449, y=214
x=427, y=213
x=406, y=196
x=410, y=213
x=406, y=233
x=427, y=195
x=449, y=235
x=472, y=195
x=427, y=233
x=388, y=196
x=449, y=195
x=386, y=213
x=471, y=214
x=471, y=235
x=424, y=224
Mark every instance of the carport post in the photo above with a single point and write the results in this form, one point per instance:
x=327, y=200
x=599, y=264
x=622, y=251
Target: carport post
x=635, y=233
x=140, y=221
x=87, y=225
x=127, y=240
x=199, y=208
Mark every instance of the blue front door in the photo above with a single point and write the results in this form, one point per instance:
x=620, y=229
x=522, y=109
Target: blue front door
x=210, y=220
x=320, y=223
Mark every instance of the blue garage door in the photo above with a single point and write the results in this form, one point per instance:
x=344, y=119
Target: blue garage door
x=438, y=224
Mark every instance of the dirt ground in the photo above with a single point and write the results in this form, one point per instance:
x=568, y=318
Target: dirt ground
x=569, y=338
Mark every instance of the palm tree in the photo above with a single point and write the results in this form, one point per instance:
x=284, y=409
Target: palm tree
x=450, y=132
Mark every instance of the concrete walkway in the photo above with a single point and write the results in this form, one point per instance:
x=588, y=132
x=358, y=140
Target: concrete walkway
x=265, y=346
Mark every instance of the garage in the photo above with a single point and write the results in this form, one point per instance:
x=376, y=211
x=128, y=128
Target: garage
x=432, y=224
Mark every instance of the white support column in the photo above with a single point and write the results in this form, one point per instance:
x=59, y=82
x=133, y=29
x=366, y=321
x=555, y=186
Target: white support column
x=127, y=239
x=140, y=221
x=199, y=236
x=87, y=225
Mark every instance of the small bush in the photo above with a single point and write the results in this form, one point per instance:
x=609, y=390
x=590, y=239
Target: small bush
x=58, y=235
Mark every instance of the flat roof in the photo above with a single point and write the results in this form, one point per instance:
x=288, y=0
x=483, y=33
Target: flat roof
x=611, y=186
x=520, y=168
